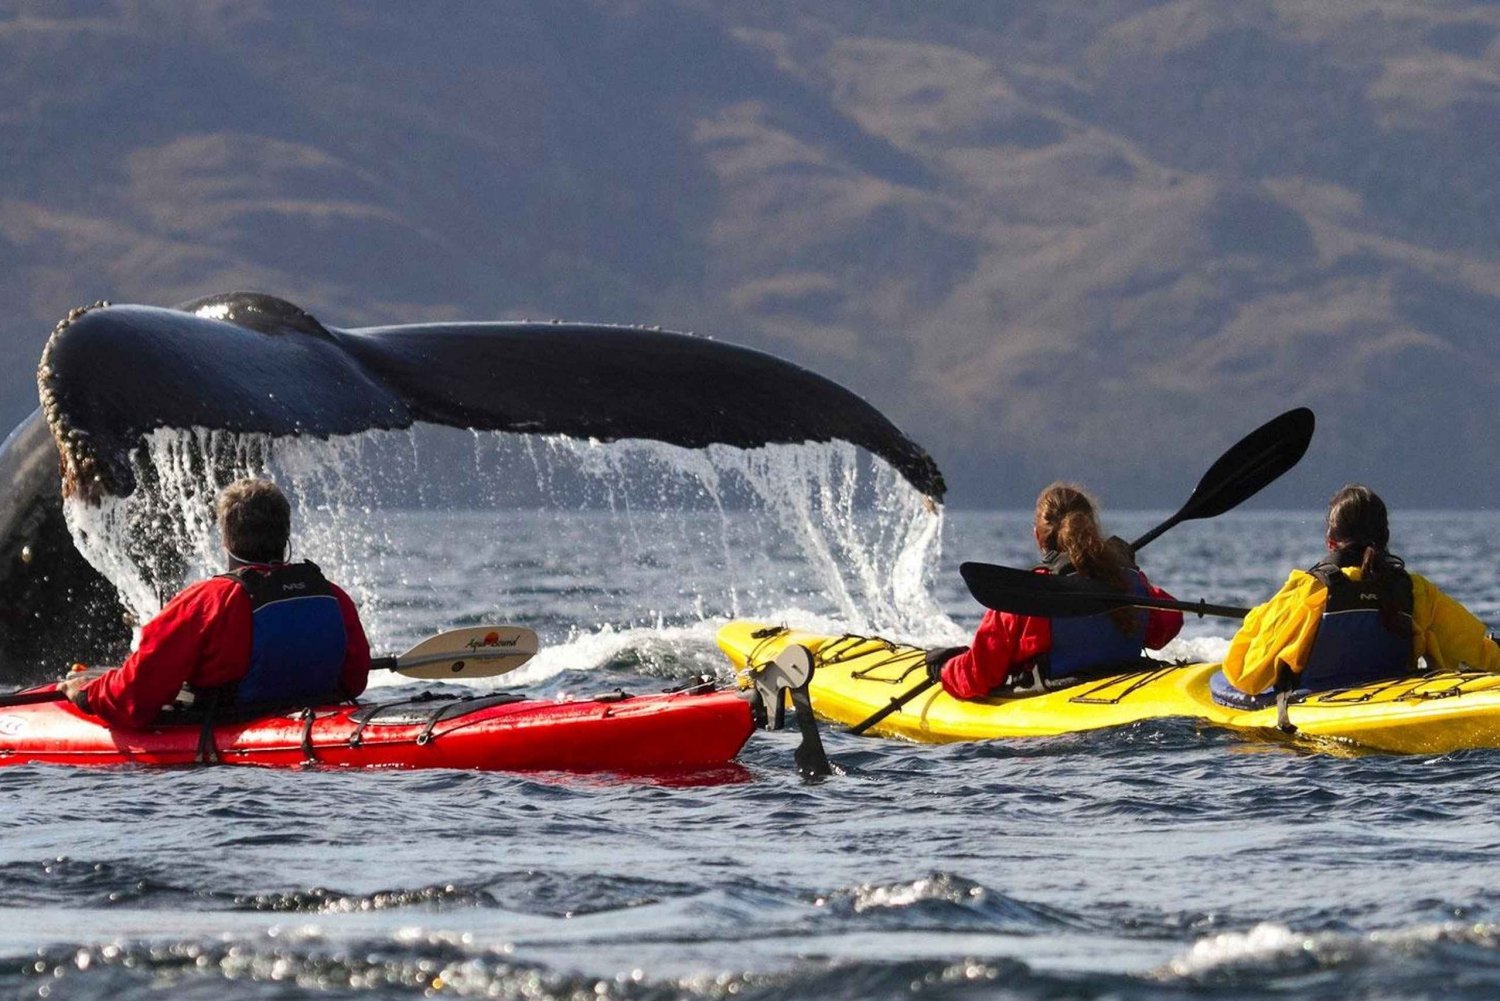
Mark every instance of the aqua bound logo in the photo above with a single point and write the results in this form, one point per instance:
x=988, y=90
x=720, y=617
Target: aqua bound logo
x=491, y=640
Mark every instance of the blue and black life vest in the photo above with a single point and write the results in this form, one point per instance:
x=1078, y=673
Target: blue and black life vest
x=1355, y=644
x=1087, y=645
x=297, y=634
x=1365, y=633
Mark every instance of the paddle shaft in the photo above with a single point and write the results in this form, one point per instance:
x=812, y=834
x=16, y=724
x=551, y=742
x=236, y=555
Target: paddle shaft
x=427, y=654
x=1199, y=607
x=892, y=706
x=55, y=695
x=31, y=698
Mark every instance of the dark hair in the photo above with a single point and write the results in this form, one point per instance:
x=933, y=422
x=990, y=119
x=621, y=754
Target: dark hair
x=255, y=520
x=1359, y=527
x=1066, y=521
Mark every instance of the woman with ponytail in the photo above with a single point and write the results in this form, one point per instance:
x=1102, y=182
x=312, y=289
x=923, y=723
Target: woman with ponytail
x=1357, y=616
x=1024, y=652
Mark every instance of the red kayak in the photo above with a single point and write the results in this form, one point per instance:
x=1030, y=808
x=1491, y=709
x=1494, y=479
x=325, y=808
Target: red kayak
x=677, y=731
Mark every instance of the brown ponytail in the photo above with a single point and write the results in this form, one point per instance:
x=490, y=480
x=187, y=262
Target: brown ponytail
x=1359, y=526
x=1066, y=522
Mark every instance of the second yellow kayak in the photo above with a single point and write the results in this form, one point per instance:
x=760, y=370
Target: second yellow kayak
x=855, y=676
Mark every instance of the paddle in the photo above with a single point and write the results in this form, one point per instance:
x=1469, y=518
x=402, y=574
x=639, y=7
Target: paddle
x=1056, y=597
x=459, y=653
x=1248, y=466
x=471, y=652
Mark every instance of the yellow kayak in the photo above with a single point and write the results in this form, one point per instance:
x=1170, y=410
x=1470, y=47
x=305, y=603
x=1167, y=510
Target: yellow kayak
x=855, y=676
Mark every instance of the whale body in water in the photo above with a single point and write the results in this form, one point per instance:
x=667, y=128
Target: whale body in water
x=250, y=363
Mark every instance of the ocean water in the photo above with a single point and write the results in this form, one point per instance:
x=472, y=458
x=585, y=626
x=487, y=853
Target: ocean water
x=1162, y=860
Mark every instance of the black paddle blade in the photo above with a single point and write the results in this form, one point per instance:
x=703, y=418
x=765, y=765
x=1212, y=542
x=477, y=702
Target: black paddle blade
x=1026, y=592
x=1251, y=464
x=1248, y=467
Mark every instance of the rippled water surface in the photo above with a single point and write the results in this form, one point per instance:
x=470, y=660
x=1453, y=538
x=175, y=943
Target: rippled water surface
x=1161, y=860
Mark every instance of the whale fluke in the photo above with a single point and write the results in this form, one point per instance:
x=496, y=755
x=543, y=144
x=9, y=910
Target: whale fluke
x=252, y=363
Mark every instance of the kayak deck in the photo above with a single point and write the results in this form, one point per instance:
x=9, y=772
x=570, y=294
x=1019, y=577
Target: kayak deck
x=856, y=676
x=678, y=731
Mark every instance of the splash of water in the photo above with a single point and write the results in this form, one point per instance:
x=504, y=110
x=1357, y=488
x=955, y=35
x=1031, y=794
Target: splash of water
x=821, y=528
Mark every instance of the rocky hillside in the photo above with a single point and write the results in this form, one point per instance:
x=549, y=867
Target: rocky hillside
x=1097, y=240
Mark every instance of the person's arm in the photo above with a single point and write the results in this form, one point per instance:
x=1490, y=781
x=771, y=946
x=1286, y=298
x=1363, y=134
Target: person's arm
x=1001, y=642
x=1281, y=631
x=1162, y=624
x=132, y=694
x=1447, y=633
x=355, y=674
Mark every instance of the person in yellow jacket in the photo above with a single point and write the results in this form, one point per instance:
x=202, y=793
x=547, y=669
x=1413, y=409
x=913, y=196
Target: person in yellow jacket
x=1356, y=617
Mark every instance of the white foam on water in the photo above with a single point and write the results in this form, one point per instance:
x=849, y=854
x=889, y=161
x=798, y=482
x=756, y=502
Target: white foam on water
x=1195, y=649
x=1270, y=948
x=1264, y=942
x=149, y=542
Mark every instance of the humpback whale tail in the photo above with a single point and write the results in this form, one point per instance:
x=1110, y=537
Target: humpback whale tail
x=256, y=366
x=253, y=363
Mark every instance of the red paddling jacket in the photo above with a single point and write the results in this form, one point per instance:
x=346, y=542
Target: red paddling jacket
x=204, y=638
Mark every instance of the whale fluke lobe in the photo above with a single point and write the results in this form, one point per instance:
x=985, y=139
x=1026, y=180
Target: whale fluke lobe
x=613, y=382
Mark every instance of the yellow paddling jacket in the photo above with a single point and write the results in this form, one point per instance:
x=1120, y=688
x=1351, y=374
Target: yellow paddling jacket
x=1284, y=628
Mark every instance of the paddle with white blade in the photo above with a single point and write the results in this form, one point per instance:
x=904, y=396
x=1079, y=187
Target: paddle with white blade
x=472, y=652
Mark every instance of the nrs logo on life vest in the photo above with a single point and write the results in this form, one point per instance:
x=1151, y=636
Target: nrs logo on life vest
x=12, y=725
x=490, y=640
x=296, y=585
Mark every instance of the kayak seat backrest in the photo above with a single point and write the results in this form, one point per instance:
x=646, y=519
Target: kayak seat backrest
x=417, y=711
x=1034, y=681
x=1226, y=694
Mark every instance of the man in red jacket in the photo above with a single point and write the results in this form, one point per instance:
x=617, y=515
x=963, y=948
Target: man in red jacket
x=266, y=632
